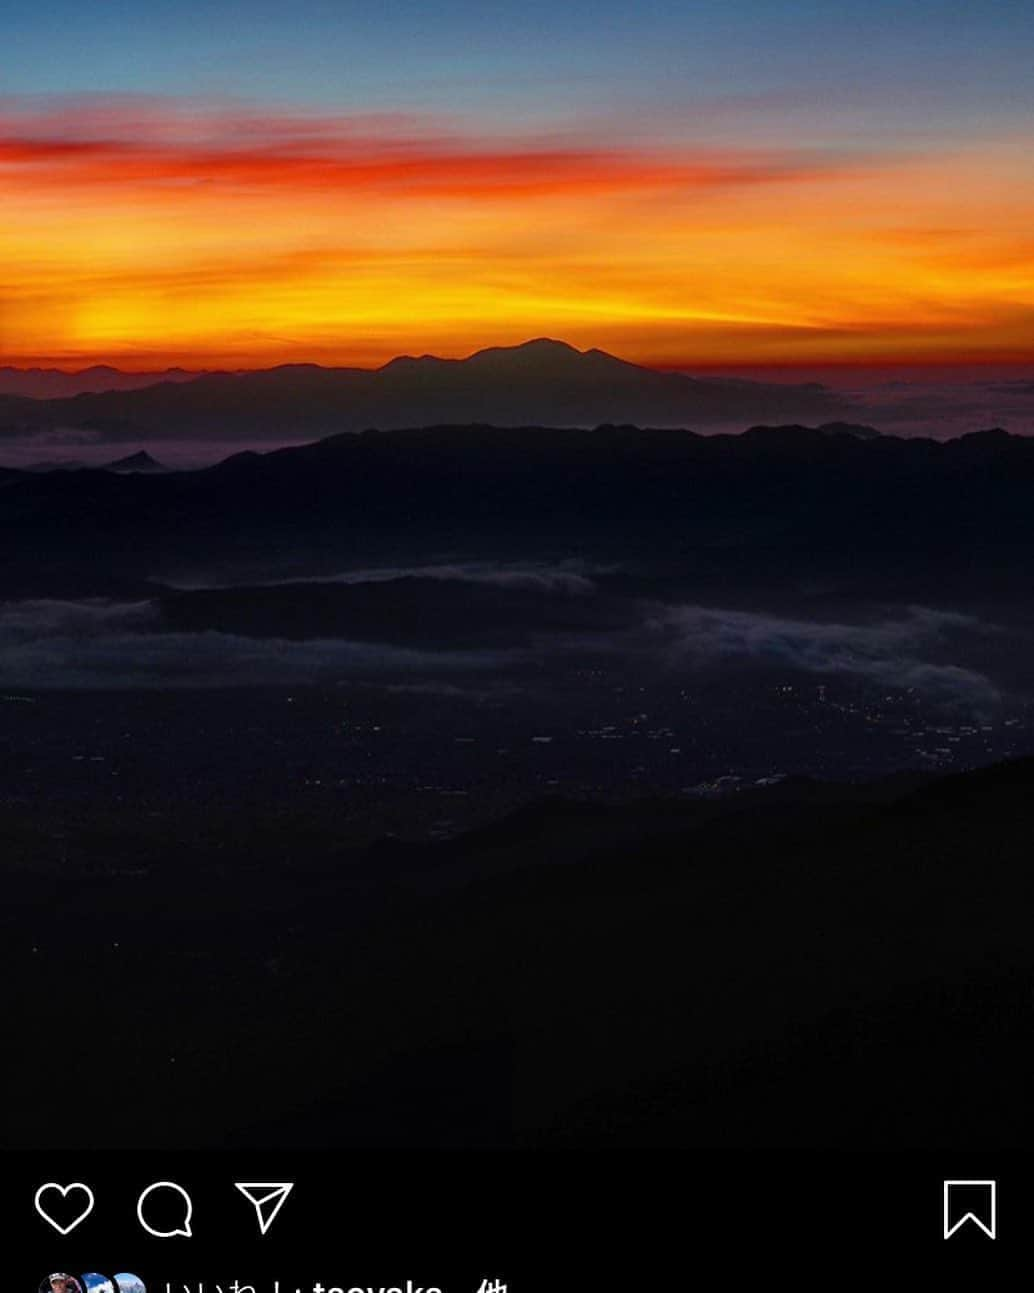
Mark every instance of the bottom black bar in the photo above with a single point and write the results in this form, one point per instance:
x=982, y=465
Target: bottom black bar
x=479, y=1223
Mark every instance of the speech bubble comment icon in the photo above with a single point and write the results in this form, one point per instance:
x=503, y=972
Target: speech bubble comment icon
x=165, y=1201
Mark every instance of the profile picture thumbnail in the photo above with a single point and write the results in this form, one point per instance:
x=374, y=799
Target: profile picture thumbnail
x=59, y=1282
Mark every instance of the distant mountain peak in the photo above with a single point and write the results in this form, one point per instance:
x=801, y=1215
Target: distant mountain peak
x=412, y=361
x=141, y=462
x=536, y=345
x=550, y=358
x=544, y=350
x=544, y=356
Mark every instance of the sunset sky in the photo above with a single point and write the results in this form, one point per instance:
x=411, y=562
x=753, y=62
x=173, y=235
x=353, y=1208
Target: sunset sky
x=685, y=184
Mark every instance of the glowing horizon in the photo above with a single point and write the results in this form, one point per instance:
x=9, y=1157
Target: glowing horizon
x=882, y=219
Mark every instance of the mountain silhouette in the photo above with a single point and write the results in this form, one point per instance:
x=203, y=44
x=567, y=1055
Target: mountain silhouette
x=135, y=462
x=54, y=383
x=759, y=512
x=542, y=382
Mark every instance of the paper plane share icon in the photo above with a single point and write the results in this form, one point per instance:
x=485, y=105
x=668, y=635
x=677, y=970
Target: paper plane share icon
x=268, y=1197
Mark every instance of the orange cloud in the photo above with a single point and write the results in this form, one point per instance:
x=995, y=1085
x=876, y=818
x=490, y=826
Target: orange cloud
x=140, y=232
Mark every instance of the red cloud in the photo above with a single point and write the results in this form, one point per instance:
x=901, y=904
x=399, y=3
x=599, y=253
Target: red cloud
x=135, y=143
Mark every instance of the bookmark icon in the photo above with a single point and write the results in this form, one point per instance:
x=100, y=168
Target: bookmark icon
x=969, y=1204
x=267, y=1198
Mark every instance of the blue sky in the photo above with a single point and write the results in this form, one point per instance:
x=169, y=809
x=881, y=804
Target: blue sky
x=953, y=64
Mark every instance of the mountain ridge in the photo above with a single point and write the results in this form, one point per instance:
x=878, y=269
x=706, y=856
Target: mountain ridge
x=58, y=383
x=539, y=382
x=888, y=517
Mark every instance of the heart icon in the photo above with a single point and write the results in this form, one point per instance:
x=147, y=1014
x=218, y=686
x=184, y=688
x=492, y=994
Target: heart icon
x=65, y=1190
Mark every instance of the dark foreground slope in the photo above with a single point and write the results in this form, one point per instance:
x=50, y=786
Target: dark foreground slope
x=810, y=967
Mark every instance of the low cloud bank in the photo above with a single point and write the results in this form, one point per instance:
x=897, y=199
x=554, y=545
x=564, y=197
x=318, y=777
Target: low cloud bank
x=572, y=577
x=96, y=644
x=894, y=651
